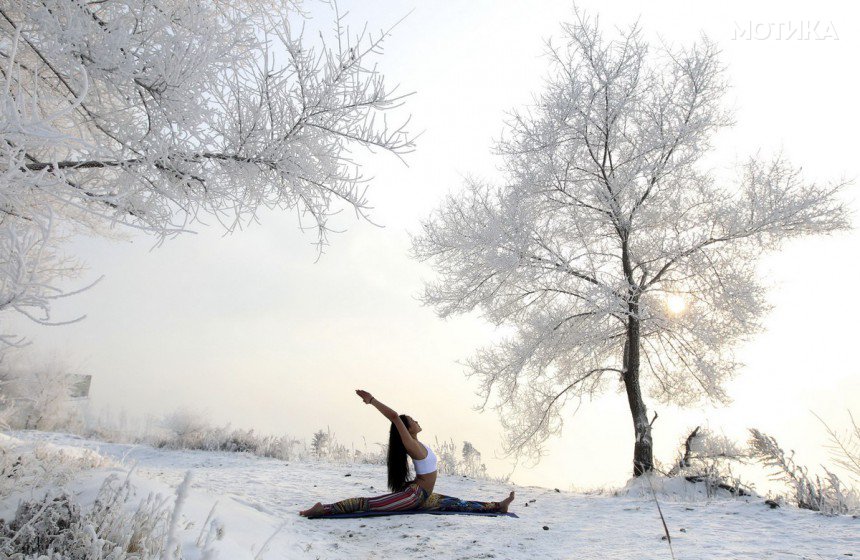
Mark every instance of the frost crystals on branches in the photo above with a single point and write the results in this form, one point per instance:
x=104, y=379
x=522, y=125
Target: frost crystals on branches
x=155, y=114
x=607, y=248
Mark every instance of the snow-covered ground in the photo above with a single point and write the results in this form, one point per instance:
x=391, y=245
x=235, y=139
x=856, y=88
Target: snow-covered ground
x=258, y=499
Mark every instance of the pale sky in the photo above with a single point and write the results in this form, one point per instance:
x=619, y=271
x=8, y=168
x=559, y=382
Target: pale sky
x=248, y=329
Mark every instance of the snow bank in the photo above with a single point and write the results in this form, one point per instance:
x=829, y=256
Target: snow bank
x=678, y=488
x=258, y=500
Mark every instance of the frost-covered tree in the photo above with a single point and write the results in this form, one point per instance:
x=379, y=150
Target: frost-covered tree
x=38, y=396
x=609, y=251
x=156, y=114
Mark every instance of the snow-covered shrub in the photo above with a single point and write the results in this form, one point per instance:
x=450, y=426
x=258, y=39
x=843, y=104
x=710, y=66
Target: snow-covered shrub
x=336, y=451
x=23, y=467
x=186, y=428
x=38, y=397
x=827, y=493
x=471, y=461
x=286, y=448
x=372, y=456
x=45, y=527
x=243, y=441
x=55, y=527
x=58, y=528
x=709, y=458
x=320, y=443
x=7, y=405
x=460, y=461
x=117, y=526
x=446, y=453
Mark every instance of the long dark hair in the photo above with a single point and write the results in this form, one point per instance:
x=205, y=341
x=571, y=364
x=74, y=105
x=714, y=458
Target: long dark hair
x=398, y=464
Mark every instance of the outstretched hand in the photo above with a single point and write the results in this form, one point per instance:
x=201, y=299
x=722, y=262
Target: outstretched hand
x=365, y=396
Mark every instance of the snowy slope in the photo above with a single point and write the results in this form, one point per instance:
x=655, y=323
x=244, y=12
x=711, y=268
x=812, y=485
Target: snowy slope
x=258, y=498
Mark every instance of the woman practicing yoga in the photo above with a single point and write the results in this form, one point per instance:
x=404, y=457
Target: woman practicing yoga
x=406, y=495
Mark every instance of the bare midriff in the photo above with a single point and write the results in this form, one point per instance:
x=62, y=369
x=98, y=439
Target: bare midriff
x=426, y=481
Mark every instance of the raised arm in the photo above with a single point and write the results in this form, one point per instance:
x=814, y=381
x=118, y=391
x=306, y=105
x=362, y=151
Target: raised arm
x=413, y=448
x=370, y=399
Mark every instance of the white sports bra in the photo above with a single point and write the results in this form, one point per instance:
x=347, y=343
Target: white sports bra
x=427, y=464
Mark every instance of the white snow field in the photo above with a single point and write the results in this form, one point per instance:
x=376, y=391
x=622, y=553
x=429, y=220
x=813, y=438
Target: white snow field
x=258, y=498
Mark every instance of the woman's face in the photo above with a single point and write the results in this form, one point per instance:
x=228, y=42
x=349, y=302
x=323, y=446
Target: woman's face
x=414, y=426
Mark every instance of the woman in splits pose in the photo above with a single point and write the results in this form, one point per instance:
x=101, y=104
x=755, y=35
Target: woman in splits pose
x=406, y=494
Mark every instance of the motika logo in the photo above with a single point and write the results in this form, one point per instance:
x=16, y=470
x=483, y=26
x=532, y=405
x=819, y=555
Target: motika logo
x=803, y=30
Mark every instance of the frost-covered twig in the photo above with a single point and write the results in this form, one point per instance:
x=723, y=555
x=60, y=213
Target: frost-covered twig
x=662, y=519
x=845, y=446
x=199, y=541
x=181, y=495
x=265, y=546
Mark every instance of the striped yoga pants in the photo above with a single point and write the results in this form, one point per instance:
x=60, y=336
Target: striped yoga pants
x=410, y=498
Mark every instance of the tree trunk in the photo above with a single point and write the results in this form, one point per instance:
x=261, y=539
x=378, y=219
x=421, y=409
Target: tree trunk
x=643, y=456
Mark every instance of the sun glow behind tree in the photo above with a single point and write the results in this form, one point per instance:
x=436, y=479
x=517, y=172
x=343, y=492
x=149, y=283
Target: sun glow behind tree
x=676, y=304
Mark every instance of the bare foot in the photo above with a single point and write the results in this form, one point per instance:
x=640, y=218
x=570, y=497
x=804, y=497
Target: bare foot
x=503, y=505
x=314, y=511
